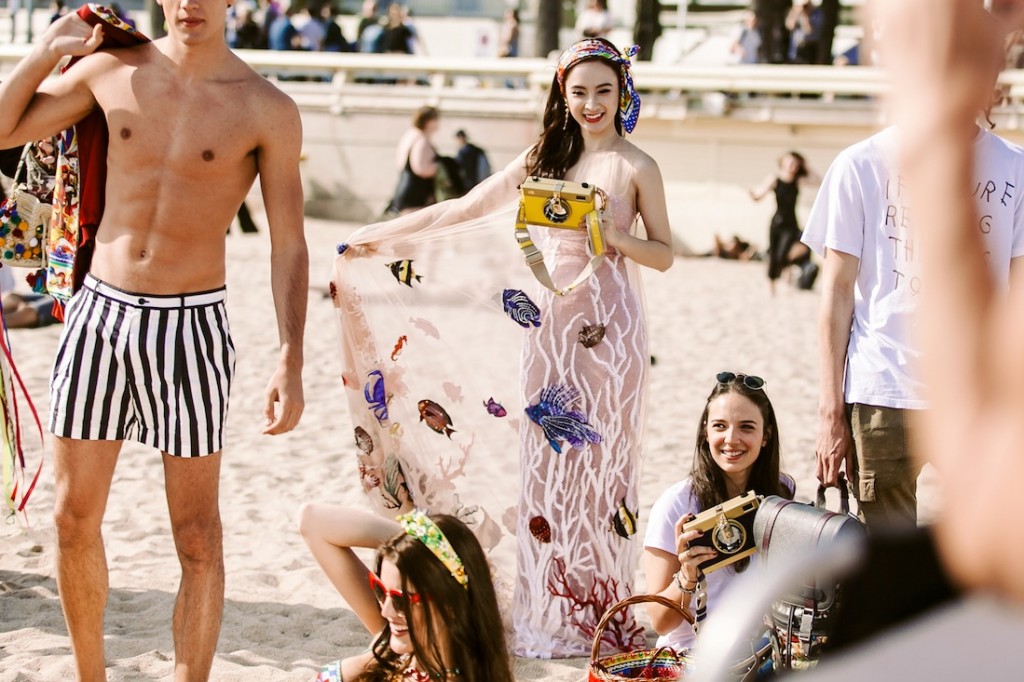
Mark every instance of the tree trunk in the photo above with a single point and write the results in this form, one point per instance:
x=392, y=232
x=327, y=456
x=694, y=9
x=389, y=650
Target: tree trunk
x=829, y=21
x=156, y=20
x=549, y=20
x=648, y=27
x=771, y=20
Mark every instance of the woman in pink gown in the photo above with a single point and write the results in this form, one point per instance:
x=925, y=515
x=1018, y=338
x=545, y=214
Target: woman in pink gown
x=435, y=307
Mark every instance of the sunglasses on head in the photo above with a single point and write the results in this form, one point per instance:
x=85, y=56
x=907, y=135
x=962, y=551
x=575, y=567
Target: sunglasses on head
x=399, y=599
x=750, y=381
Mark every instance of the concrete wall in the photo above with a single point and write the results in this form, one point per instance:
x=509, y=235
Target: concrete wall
x=707, y=164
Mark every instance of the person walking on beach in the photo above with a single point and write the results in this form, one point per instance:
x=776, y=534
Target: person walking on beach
x=146, y=353
x=861, y=226
x=474, y=167
x=784, y=232
x=416, y=160
x=582, y=359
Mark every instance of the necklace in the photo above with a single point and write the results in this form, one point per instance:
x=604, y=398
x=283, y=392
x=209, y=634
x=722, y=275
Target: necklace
x=416, y=675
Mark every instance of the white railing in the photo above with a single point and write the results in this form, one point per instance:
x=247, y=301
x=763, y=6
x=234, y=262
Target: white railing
x=518, y=87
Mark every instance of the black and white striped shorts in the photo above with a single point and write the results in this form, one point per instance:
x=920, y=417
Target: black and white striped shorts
x=151, y=368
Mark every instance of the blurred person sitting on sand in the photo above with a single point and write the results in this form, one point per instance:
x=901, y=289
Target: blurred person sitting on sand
x=733, y=248
x=429, y=602
x=416, y=160
x=595, y=21
x=595, y=377
x=737, y=450
x=784, y=247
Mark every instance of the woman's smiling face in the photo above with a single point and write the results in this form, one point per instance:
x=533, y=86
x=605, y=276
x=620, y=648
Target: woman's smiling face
x=592, y=94
x=401, y=641
x=736, y=434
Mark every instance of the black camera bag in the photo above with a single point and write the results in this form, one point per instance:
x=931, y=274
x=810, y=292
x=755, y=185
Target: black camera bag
x=799, y=621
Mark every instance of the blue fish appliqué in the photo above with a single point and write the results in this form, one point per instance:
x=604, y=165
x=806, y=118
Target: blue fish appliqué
x=520, y=308
x=376, y=397
x=553, y=413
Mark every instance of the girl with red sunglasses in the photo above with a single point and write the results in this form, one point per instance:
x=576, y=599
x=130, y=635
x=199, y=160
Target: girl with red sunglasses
x=429, y=601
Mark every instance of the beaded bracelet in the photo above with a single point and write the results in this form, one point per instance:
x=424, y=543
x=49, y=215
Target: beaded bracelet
x=682, y=587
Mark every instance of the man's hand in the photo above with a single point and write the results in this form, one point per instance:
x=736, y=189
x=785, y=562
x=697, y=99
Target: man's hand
x=72, y=36
x=834, y=450
x=285, y=387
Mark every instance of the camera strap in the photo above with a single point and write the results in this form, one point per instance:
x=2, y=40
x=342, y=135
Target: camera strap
x=700, y=609
x=535, y=259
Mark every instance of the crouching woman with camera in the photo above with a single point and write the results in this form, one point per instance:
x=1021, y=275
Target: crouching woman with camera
x=737, y=451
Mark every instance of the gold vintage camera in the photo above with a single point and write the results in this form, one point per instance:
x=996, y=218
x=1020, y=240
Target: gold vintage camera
x=544, y=202
x=728, y=529
x=556, y=203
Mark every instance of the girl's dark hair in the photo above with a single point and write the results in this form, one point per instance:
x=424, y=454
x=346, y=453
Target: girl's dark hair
x=561, y=142
x=425, y=115
x=707, y=477
x=473, y=631
x=802, y=170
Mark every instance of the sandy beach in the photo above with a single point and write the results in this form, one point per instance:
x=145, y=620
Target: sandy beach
x=282, y=619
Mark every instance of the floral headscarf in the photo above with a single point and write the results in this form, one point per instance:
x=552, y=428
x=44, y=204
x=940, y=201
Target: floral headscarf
x=629, y=101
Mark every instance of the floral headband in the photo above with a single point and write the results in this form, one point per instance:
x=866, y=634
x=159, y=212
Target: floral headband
x=420, y=526
x=629, y=101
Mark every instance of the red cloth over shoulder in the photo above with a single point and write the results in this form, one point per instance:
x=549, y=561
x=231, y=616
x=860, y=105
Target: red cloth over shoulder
x=92, y=145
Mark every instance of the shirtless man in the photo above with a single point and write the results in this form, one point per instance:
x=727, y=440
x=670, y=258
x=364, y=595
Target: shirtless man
x=191, y=126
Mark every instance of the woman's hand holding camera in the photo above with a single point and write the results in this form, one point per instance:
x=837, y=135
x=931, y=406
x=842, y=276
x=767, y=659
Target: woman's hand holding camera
x=690, y=557
x=611, y=234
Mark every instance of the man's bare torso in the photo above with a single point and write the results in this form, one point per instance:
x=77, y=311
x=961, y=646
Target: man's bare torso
x=182, y=156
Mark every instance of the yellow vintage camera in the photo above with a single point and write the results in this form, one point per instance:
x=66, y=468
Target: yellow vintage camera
x=545, y=202
x=728, y=529
x=556, y=203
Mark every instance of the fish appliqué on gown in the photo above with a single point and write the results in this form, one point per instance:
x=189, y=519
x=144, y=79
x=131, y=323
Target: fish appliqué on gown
x=569, y=374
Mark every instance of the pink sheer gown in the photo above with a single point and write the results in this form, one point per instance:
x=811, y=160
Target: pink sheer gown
x=432, y=352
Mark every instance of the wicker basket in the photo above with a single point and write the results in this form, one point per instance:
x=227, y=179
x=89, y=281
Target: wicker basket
x=644, y=664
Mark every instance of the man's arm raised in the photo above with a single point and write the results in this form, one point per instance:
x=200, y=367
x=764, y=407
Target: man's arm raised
x=278, y=164
x=30, y=109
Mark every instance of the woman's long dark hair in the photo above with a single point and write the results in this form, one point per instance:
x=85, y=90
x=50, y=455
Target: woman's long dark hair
x=472, y=629
x=707, y=478
x=802, y=171
x=561, y=143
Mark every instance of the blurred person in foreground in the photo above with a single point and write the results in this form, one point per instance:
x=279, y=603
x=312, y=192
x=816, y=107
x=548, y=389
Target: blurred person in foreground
x=942, y=58
x=867, y=229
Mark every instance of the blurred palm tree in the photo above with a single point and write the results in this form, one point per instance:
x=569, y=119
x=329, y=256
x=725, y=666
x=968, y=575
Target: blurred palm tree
x=549, y=21
x=156, y=27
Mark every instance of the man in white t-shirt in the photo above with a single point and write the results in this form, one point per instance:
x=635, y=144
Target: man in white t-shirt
x=861, y=225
